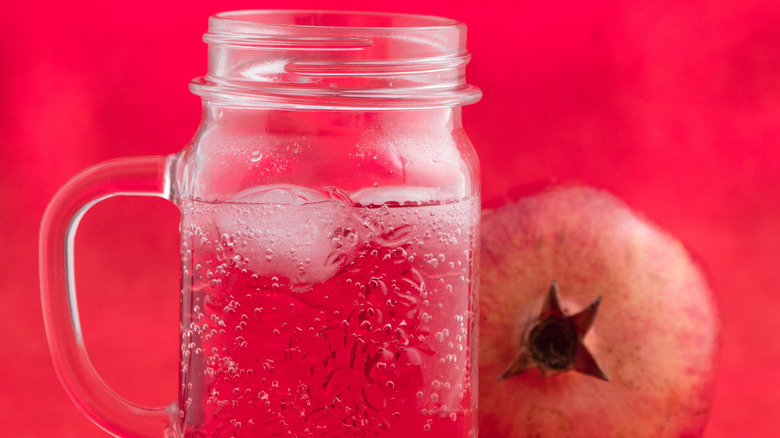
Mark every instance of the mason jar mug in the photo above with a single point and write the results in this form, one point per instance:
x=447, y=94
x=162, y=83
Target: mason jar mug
x=329, y=236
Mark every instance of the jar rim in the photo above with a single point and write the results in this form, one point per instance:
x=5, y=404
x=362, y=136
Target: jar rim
x=299, y=58
x=329, y=19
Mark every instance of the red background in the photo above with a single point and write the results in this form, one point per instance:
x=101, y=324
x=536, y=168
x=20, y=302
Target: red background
x=673, y=106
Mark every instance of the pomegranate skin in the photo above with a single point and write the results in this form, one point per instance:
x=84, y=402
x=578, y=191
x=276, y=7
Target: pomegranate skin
x=655, y=335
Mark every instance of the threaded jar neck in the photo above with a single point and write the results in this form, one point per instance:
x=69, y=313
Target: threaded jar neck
x=339, y=60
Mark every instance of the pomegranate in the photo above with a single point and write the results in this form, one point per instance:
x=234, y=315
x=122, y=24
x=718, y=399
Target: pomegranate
x=593, y=322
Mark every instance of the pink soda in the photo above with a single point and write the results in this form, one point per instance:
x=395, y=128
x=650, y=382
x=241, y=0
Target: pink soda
x=310, y=315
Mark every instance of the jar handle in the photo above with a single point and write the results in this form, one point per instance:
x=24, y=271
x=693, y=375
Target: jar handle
x=141, y=176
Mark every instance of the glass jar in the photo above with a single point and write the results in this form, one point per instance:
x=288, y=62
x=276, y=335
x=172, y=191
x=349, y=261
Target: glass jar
x=329, y=239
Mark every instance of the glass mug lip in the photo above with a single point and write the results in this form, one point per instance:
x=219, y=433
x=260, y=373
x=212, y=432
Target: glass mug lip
x=409, y=60
x=273, y=18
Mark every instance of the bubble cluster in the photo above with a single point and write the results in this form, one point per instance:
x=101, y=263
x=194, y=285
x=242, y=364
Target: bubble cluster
x=358, y=324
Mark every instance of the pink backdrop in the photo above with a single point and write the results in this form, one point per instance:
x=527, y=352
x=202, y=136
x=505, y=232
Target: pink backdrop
x=674, y=107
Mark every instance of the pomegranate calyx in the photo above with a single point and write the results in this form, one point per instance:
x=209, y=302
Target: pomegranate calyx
x=553, y=343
